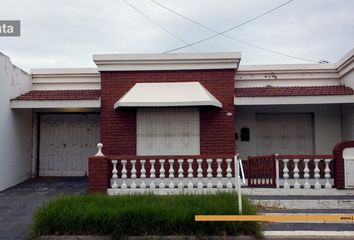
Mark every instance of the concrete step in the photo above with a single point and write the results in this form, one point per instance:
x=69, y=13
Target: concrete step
x=297, y=192
x=319, y=227
x=303, y=202
x=320, y=233
x=306, y=197
x=307, y=211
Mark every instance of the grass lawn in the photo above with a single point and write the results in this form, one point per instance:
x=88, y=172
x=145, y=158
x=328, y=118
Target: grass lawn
x=142, y=215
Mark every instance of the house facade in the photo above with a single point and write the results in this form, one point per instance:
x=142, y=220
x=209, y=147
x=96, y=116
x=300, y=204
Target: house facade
x=175, y=120
x=15, y=126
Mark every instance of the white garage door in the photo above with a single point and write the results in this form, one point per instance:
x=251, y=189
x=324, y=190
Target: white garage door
x=285, y=133
x=66, y=142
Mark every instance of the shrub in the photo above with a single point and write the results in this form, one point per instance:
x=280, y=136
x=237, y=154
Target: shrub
x=142, y=215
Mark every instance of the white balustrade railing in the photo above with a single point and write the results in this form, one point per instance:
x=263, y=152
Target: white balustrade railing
x=291, y=175
x=176, y=175
x=182, y=174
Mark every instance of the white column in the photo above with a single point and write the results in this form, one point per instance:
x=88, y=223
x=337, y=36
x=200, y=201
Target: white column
x=133, y=186
x=285, y=173
x=228, y=173
x=142, y=174
x=152, y=174
x=171, y=175
x=209, y=173
x=306, y=174
x=162, y=173
x=327, y=173
x=277, y=170
x=238, y=182
x=180, y=174
x=190, y=173
x=219, y=173
x=124, y=174
x=114, y=174
x=200, y=173
x=317, y=174
x=296, y=173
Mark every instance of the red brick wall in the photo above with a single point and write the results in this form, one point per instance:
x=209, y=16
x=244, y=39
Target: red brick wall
x=100, y=171
x=118, y=127
x=339, y=163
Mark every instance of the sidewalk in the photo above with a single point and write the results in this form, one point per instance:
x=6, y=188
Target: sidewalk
x=307, y=205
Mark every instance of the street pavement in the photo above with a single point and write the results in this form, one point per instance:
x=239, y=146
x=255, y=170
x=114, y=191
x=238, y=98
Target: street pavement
x=18, y=204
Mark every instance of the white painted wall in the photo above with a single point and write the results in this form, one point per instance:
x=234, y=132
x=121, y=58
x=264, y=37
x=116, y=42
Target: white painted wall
x=15, y=126
x=283, y=75
x=65, y=79
x=348, y=79
x=346, y=68
x=348, y=121
x=327, y=121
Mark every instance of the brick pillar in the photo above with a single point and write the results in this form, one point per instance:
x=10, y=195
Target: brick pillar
x=99, y=174
x=339, y=163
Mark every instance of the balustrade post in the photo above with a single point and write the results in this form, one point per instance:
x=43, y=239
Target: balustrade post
x=190, y=173
x=142, y=174
x=209, y=173
x=133, y=185
x=327, y=173
x=228, y=173
x=152, y=174
x=180, y=174
x=306, y=174
x=317, y=173
x=114, y=174
x=162, y=173
x=171, y=175
x=286, y=173
x=276, y=156
x=124, y=174
x=219, y=173
x=296, y=173
x=200, y=173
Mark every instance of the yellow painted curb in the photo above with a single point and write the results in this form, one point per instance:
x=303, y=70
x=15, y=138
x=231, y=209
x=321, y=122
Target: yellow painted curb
x=274, y=218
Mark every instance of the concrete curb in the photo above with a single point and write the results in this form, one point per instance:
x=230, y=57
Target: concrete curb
x=270, y=235
x=309, y=234
x=306, y=204
x=296, y=192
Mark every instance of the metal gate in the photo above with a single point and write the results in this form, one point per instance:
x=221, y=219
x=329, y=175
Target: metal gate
x=261, y=171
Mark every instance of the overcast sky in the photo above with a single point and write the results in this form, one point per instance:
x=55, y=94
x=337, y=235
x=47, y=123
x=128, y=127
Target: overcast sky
x=66, y=33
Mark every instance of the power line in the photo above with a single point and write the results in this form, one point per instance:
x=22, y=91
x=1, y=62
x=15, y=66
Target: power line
x=228, y=36
x=160, y=26
x=232, y=28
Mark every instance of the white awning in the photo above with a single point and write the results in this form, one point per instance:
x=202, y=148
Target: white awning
x=167, y=95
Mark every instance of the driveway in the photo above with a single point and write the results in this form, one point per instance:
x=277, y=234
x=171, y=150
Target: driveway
x=18, y=204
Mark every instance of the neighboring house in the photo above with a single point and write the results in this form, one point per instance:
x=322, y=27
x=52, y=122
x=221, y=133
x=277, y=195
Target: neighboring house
x=145, y=108
x=15, y=126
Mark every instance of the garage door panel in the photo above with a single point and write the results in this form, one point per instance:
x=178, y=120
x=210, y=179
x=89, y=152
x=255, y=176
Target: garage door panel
x=51, y=167
x=284, y=133
x=66, y=142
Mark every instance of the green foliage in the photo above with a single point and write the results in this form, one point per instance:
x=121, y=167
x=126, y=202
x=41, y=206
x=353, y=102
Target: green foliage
x=142, y=215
